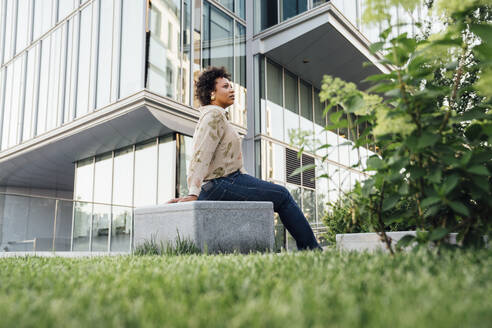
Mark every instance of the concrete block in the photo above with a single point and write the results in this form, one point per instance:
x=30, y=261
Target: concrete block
x=214, y=226
x=370, y=241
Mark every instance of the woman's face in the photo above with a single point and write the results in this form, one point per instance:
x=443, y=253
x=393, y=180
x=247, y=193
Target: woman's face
x=224, y=93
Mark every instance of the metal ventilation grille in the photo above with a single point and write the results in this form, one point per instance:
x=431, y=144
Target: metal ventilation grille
x=291, y=164
x=308, y=176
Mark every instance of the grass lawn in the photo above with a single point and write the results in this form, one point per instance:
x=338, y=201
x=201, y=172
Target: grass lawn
x=271, y=290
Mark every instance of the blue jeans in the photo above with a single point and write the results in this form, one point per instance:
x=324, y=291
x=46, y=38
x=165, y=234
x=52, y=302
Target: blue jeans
x=243, y=187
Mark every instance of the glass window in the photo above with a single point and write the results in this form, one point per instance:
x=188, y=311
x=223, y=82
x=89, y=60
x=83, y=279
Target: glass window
x=229, y=4
x=291, y=8
x=23, y=24
x=105, y=53
x=102, y=194
x=218, y=42
x=266, y=14
x=65, y=7
x=306, y=100
x=309, y=205
x=8, y=72
x=164, y=58
x=185, y=60
x=241, y=8
x=239, y=109
x=317, y=3
x=31, y=77
x=292, y=104
x=122, y=195
x=274, y=83
x=42, y=17
x=306, y=119
x=167, y=170
x=84, y=56
x=291, y=94
x=334, y=183
x=185, y=154
x=145, y=190
x=9, y=30
x=322, y=193
x=2, y=89
x=319, y=108
x=71, y=68
x=132, y=47
x=82, y=206
x=54, y=80
x=345, y=181
x=16, y=103
x=274, y=113
x=43, y=85
x=277, y=162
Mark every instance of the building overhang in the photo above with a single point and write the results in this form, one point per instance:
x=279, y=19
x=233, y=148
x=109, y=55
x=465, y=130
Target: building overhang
x=318, y=42
x=47, y=161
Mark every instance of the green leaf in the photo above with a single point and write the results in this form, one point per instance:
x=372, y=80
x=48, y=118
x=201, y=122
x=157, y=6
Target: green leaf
x=449, y=184
x=405, y=241
x=460, y=208
x=403, y=190
x=479, y=170
x=302, y=169
x=484, y=31
x=429, y=201
x=353, y=103
x=335, y=117
x=375, y=162
x=438, y=233
x=427, y=139
x=376, y=46
x=435, y=176
x=390, y=202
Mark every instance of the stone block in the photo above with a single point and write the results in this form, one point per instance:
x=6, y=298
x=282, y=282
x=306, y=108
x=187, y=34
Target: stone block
x=370, y=241
x=213, y=226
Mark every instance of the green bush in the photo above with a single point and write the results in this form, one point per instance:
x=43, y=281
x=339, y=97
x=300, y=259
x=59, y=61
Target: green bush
x=344, y=216
x=430, y=120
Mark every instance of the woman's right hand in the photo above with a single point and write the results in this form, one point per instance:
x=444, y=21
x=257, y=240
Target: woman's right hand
x=188, y=198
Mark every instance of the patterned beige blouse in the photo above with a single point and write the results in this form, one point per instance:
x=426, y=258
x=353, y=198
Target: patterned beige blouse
x=216, y=149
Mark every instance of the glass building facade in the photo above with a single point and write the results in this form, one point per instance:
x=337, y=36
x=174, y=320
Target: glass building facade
x=63, y=62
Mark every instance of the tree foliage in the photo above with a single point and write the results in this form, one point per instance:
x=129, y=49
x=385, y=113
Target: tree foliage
x=431, y=119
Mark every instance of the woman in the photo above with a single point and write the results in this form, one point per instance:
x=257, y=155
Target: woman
x=216, y=170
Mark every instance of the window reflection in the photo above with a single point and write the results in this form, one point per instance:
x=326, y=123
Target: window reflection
x=266, y=14
x=309, y=205
x=291, y=8
x=82, y=205
x=84, y=61
x=167, y=170
x=145, y=192
x=121, y=224
x=238, y=111
x=132, y=47
x=31, y=75
x=104, y=53
x=8, y=72
x=164, y=52
x=218, y=42
x=16, y=104
x=22, y=24
x=103, y=174
x=185, y=154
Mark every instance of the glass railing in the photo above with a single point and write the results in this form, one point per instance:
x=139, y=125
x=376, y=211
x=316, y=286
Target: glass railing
x=40, y=224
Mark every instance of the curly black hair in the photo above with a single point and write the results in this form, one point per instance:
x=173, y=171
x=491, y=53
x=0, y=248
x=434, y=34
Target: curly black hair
x=206, y=83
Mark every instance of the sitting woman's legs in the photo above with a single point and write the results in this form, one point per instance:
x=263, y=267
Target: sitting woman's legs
x=244, y=187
